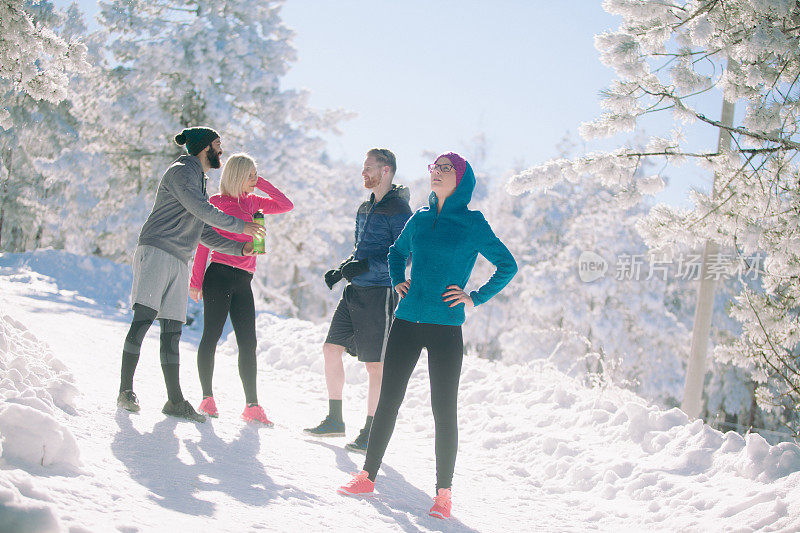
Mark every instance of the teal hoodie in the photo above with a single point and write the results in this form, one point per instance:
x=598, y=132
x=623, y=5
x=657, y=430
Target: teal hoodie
x=443, y=249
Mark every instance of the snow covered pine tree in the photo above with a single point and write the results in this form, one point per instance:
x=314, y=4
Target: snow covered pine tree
x=168, y=65
x=37, y=55
x=670, y=57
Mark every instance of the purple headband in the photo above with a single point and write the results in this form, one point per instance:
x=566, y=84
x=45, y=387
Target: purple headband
x=459, y=163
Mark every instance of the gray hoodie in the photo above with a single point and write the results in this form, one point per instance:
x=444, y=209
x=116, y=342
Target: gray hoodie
x=182, y=215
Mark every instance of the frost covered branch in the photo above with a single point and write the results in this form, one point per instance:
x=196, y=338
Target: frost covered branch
x=666, y=54
x=35, y=60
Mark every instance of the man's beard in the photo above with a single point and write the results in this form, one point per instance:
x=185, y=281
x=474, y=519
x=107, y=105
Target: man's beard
x=213, y=158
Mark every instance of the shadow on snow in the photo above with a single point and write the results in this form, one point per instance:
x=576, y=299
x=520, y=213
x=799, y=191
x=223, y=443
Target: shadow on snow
x=395, y=497
x=228, y=467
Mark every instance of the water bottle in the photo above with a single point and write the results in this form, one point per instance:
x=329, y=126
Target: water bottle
x=258, y=242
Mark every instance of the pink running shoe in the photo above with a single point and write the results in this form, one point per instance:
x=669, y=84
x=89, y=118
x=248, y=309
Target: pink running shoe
x=208, y=407
x=360, y=484
x=441, y=504
x=255, y=413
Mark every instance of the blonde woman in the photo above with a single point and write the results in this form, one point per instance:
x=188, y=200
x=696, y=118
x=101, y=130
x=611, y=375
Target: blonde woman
x=224, y=286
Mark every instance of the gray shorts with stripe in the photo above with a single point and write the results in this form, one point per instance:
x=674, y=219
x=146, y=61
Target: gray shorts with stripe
x=362, y=320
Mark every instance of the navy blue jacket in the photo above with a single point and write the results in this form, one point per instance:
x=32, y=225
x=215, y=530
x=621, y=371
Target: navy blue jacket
x=444, y=247
x=377, y=227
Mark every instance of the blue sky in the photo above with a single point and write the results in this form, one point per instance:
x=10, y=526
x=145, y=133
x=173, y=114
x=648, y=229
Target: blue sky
x=431, y=76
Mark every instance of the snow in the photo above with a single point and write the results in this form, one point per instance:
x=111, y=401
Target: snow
x=537, y=450
x=34, y=384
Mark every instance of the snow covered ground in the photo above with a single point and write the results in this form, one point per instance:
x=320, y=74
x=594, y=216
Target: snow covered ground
x=537, y=451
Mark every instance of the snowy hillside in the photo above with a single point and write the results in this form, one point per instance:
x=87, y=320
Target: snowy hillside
x=537, y=451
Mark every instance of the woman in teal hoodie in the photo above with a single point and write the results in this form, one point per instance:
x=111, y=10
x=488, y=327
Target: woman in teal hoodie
x=443, y=240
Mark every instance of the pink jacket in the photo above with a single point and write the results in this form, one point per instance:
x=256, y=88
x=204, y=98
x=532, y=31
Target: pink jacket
x=242, y=207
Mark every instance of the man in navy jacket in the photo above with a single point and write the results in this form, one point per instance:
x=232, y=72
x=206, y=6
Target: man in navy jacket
x=361, y=322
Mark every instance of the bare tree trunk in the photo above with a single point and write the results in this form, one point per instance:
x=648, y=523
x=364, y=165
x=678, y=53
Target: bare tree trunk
x=4, y=194
x=295, y=290
x=701, y=331
x=2, y=215
x=753, y=407
x=37, y=239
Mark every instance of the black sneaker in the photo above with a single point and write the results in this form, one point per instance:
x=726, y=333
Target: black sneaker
x=327, y=428
x=182, y=409
x=360, y=444
x=128, y=400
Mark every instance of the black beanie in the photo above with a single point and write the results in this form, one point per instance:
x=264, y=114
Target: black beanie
x=196, y=139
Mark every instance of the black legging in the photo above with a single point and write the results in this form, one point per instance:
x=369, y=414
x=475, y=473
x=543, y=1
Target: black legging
x=226, y=289
x=445, y=354
x=143, y=317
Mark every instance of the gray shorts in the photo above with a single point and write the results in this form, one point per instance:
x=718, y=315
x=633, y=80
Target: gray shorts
x=160, y=282
x=362, y=320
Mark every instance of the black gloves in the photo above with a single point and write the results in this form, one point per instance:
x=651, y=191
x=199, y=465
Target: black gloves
x=349, y=269
x=354, y=268
x=332, y=277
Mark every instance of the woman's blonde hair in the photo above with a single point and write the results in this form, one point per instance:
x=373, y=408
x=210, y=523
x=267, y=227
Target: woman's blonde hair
x=235, y=173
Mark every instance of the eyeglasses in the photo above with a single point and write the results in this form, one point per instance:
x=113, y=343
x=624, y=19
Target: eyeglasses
x=444, y=169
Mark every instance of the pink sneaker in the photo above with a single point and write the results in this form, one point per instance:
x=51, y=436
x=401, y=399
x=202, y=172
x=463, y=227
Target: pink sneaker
x=255, y=413
x=208, y=407
x=441, y=504
x=360, y=484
